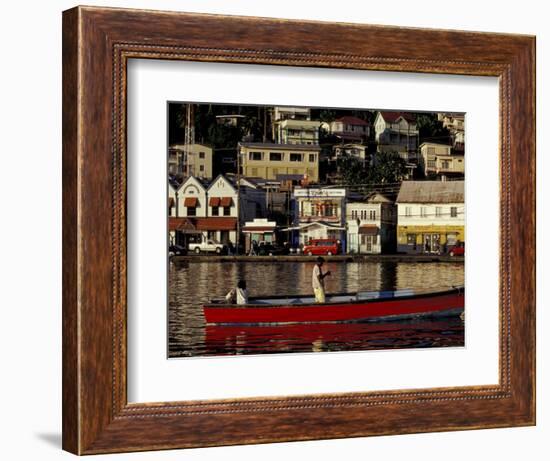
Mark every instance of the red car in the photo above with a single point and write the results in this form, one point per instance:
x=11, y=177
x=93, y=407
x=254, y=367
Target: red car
x=327, y=247
x=457, y=250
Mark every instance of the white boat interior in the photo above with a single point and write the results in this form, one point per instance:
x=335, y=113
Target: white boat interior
x=359, y=296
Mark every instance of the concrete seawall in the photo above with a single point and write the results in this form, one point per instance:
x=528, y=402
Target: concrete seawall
x=301, y=258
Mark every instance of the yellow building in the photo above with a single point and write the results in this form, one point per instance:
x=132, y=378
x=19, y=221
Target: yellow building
x=430, y=216
x=437, y=160
x=190, y=160
x=265, y=160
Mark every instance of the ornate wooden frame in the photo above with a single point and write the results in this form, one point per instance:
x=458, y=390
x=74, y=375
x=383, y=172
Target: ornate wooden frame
x=97, y=43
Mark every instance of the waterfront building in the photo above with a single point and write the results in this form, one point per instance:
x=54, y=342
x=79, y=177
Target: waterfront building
x=186, y=202
x=268, y=160
x=319, y=214
x=397, y=132
x=371, y=225
x=430, y=216
x=259, y=230
x=436, y=160
x=210, y=211
x=186, y=160
x=172, y=197
x=350, y=129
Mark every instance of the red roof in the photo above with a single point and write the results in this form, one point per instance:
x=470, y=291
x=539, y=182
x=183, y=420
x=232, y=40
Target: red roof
x=350, y=120
x=215, y=223
x=180, y=224
x=197, y=224
x=393, y=116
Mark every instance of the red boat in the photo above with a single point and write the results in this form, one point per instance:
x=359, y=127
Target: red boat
x=341, y=307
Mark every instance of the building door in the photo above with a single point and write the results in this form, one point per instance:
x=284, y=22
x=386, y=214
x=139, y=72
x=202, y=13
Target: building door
x=432, y=243
x=368, y=242
x=224, y=237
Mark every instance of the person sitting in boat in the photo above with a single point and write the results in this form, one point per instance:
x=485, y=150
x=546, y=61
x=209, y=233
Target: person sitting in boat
x=238, y=295
x=317, y=280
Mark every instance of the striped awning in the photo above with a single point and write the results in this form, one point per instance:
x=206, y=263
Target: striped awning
x=368, y=229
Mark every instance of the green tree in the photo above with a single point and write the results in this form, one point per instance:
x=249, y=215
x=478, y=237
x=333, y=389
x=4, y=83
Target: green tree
x=431, y=130
x=389, y=167
x=352, y=171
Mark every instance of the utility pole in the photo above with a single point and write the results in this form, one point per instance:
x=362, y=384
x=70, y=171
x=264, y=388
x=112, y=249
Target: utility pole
x=238, y=200
x=189, y=136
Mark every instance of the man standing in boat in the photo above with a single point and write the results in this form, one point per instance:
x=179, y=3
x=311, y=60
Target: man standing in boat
x=317, y=280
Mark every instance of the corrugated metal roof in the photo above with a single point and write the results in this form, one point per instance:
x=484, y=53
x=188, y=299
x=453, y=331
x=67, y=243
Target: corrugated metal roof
x=270, y=145
x=431, y=192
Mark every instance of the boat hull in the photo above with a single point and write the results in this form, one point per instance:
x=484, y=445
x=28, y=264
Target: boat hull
x=440, y=304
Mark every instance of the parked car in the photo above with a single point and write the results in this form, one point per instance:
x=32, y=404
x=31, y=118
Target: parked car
x=456, y=250
x=177, y=250
x=268, y=249
x=207, y=246
x=327, y=247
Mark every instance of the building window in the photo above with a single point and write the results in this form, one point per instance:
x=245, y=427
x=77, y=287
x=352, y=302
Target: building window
x=431, y=150
x=445, y=164
x=454, y=212
x=275, y=156
x=411, y=239
x=215, y=211
x=312, y=158
x=191, y=211
x=372, y=215
x=438, y=212
x=227, y=211
x=295, y=157
x=431, y=163
x=330, y=209
x=201, y=168
x=353, y=214
x=255, y=156
x=408, y=211
x=423, y=211
x=201, y=155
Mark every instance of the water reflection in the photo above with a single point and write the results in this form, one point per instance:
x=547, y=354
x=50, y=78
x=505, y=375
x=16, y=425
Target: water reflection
x=192, y=284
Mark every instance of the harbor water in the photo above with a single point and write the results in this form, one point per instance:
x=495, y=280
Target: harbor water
x=191, y=284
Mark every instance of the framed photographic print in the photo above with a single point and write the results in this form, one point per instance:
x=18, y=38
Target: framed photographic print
x=303, y=238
